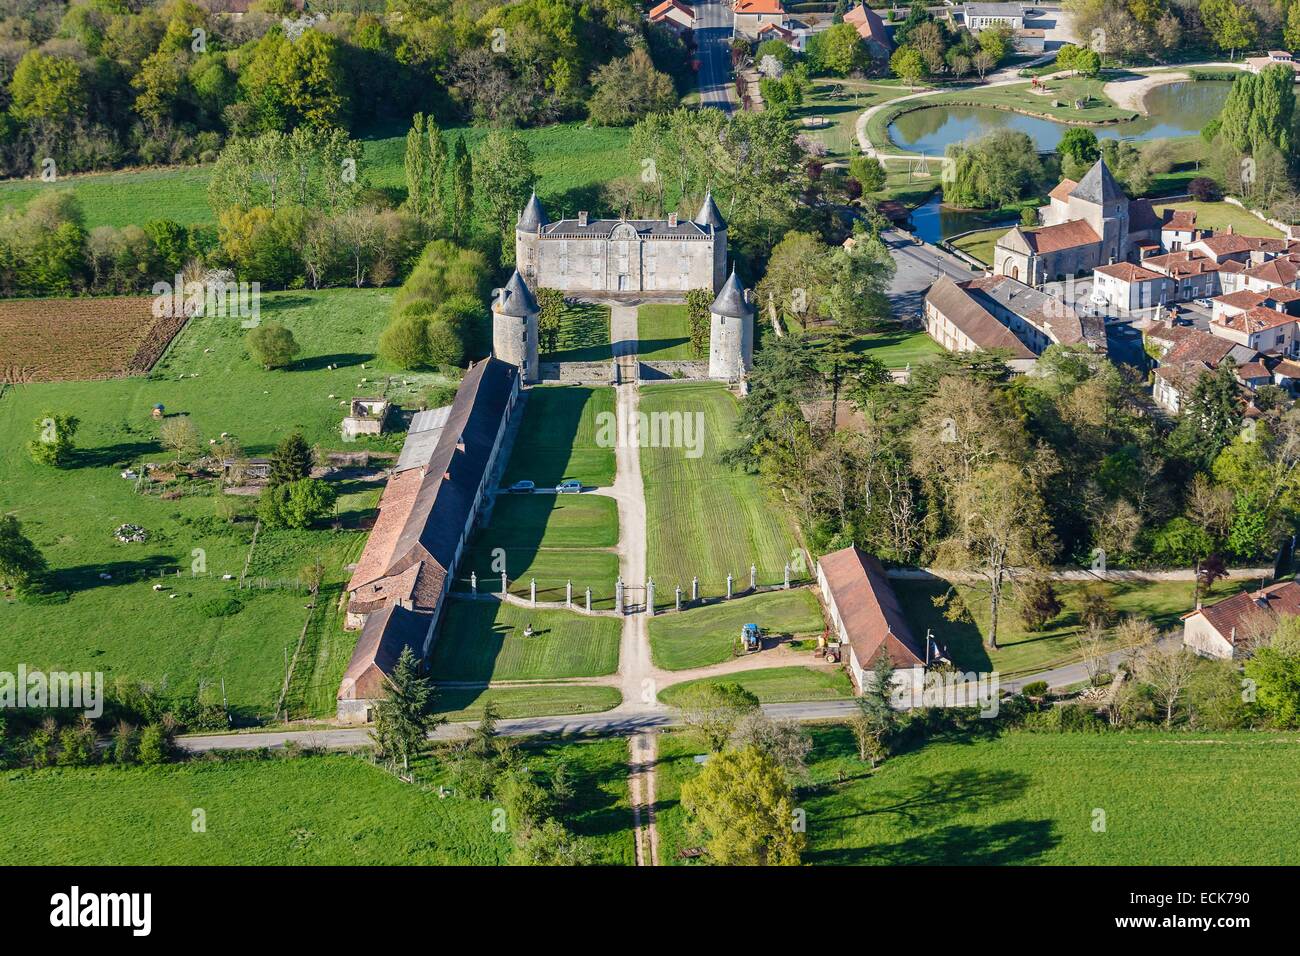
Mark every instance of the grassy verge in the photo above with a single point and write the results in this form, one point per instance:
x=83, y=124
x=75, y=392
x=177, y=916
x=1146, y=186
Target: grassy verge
x=777, y=685
x=981, y=244
x=663, y=333
x=707, y=635
x=457, y=703
x=558, y=437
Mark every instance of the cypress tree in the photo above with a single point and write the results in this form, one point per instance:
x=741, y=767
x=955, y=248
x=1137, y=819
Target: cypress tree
x=291, y=460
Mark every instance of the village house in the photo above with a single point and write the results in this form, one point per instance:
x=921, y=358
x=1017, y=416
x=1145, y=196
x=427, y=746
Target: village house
x=676, y=16
x=1261, y=329
x=871, y=28
x=434, y=495
x=1228, y=628
x=1178, y=228
x=793, y=33
x=867, y=620
x=1192, y=274
x=1128, y=287
x=1183, y=355
x=1257, y=64
x=956, y=321
x=750, y=16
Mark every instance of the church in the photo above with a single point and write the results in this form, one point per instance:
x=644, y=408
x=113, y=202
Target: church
x=1086, y=224
x=585, y=255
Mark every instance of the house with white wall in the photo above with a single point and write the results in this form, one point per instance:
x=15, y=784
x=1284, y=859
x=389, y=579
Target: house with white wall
x=1227, y=628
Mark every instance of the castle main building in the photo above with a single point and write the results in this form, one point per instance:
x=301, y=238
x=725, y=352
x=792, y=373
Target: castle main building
x=622, y=255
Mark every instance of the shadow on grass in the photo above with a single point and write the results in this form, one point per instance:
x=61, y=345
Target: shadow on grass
x=83, y=577
x=1000, y=844
x=318, y=362
x=123, y=454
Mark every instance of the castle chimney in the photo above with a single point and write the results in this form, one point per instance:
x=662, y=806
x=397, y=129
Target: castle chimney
x=672, y=220
x=582, y=218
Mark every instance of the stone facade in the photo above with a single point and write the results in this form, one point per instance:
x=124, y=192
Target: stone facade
x=585, y=255
x=514, y=327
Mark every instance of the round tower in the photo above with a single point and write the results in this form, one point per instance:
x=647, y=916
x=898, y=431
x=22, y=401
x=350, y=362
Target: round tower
x=514, y=326
x=527, y=229
x=731, y=332
x=710, y=218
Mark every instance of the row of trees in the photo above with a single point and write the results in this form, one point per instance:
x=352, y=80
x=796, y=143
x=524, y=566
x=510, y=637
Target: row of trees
x=1133, y=30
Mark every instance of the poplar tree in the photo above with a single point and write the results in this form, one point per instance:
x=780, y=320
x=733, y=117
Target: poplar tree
x=417, y=170
x=461, y=205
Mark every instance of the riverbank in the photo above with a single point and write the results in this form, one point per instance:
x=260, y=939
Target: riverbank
x=1131, y=93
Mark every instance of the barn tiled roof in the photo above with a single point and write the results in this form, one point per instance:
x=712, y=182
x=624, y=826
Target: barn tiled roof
x=1257, y=319
x=1178, y=220
x=384, y=635
x=978, y=324
x=869, y=609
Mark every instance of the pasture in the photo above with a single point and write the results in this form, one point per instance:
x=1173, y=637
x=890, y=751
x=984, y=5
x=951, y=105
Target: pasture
x=315, y=810
x=1032, y=798
x=484, y=640
x=707, y=635
x=704, y=518
x=572, y=162
x=113, y=620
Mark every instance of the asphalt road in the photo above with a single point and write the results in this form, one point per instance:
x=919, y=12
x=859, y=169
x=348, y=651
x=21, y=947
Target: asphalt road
x=713, y=38
x=918, y=266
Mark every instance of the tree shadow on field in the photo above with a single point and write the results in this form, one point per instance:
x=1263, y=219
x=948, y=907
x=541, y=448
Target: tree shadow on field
x=573, y=201
x=1015, y=842
x=316, y=363
x=83, y=577
x=123, y=453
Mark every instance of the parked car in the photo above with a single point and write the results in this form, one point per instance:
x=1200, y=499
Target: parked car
x=523, y=487
x=1204, y=303
x=569, y=486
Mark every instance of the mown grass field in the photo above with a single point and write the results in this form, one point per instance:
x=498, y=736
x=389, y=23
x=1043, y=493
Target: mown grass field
x=776, y=685
x=558, y=437
x=1031, y=799
x=899, y=349
x=572, y=161
x=118, y=624
x=839, y=102
x=707, y=635
x=663, y=331
x=484, y=640
x=583, y=335
x=318, y=810
x=553, y=521
x=702, y=517
x=1220, y=215
x=1024, y=652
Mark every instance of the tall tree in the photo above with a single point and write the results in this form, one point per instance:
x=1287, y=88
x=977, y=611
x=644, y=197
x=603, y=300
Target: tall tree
x=21, y=563
x=742, y=806
x=404, y=716
x=503, y=177
x=460, y=208
x=291, y=460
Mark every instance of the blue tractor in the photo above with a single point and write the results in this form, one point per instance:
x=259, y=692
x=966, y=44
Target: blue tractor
x=750, y=638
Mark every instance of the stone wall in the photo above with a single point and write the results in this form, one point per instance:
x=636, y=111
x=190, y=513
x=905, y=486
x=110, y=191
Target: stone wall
x=578, y=373
x=659, y=371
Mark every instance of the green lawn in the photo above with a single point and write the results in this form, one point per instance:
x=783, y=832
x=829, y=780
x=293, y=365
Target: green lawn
x=553, y=570
x=119, y=624
x=319, y=810
x=1022, y=652
x=572, y=162
x=1219, y=215
x=484, y=640
x=704, y=518
x=981, y=244
x=559, y=434
x=777, y=685
x=553, y=521
x=584, y=335
x=707, y=635
x=899, y=349
x=663, y=332
x=839, y=102
x=1032, y=799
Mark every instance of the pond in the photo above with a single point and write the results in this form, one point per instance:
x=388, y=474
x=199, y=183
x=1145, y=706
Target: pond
x=932, y=222
x=1177, y=109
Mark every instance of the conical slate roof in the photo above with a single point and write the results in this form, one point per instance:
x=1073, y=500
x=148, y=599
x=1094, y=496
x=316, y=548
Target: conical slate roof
x=516, y=299
x=731, y=300
x=1098, y=186
x=533, y=217
x=709, y=214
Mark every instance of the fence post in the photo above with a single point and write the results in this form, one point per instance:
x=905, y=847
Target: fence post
x=728, y=587
x=787, y=575
x=695, y=589
x=588, y=600
x=650, y=596
x=618, y=596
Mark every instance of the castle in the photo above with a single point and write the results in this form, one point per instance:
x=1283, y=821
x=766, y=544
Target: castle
x=1086, y=224
x=622, y=255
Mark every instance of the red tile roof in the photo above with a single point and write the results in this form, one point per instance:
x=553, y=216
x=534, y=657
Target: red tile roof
x=1181, y=220
x=1231, y=614
x=1128, y=272
x=662, y=9
x=759, y=6
x=1254, y=320
x=869, y=609
x=1179, y=265
x=1063, y=190
x=1065, y=235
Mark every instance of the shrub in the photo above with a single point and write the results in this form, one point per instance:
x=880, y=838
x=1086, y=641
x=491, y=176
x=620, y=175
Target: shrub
x=1204, y=189
x=154, y=745
x=220, y=607
x=272, y=345
x=1034, y=688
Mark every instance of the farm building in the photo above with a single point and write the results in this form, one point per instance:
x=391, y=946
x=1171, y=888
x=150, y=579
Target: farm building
x=433, y=498
x=1226, y=628
x=867, y=617
x=365, y=417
